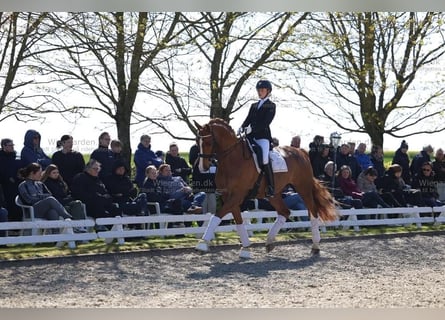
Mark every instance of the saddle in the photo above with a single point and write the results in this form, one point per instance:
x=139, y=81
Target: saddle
x=275, y=157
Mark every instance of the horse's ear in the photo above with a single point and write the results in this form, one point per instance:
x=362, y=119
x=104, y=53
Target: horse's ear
x=197, y=125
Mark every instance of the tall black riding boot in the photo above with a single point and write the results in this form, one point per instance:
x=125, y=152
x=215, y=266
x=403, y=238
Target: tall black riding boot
x=270, y=190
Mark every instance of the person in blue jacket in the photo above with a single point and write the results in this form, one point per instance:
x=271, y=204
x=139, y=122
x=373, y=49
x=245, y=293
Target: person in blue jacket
x=143, y=157
x=32, y=152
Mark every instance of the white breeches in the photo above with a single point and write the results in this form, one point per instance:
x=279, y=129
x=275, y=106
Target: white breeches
x=265, y=146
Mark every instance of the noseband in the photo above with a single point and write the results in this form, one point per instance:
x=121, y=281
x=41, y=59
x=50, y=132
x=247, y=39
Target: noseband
x=213, y=154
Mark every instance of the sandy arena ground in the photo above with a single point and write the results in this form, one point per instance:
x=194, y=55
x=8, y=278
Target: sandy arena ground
x=383, y=271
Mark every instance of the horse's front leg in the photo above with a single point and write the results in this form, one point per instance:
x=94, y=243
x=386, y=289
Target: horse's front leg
x=283, y=214
x=242, y=233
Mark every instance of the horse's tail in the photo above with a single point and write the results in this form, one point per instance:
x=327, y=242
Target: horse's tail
x=324, y=203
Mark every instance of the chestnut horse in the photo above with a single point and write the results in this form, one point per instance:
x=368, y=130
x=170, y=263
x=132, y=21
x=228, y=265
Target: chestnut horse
x=237, y=174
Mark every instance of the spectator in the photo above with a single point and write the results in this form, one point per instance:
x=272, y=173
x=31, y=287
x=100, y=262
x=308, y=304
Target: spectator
x=363, y=159
x=315, y=147
x=377, y=160
x=143, y=157
x=424, y=181
x=59, y=189
x=420, y=159
x=9, y=181
x=275, y=142
x=203, y=181
x=32, y=152
x=123, y=192
x=152, y=189
x=68, y=161
x=345, y=158
x=392, y=182
x=104, y=155
x=295, y=142
x=439, y=166
x=89, y=188
x=33, y=192
x=116, y=149
x=331, y=182
x=320, y=160
x=370, y=198
x=401, y=158
x=178, y=164
x=176, y=188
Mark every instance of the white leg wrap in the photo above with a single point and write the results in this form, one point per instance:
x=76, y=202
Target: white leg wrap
x=279, y=222
x=315, y=231
x=242, y=232
x=210, y=231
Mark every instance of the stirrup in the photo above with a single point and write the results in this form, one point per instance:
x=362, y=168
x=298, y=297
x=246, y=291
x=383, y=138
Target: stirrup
x=270, y=192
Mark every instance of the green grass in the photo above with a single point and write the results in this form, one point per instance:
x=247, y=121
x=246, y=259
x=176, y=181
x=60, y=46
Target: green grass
x=23, y=252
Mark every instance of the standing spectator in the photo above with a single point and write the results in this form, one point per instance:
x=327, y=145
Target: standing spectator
x=419, y=159
x=9, y=181
x=32, y=152
x=345, y=158
x=439, y=166
x=178, y=164
x=363, y=159
x=401, y=158
x=68, y=161
x=320, y=160
x=295, y=142
x=424, y=181
x=89, y=188
x=315, y=147
x=123, y=192
x=378, y=162
x=104, y=155
x=33, y=192
x=203, y=181
x=143, y=157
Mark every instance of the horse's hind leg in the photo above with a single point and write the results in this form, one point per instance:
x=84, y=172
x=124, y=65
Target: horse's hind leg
x=315, y=230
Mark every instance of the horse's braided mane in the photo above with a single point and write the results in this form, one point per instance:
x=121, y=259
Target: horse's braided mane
x=221, y=122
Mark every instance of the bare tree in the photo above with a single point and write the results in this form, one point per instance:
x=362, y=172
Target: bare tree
x=226, y=49
x=374, y=71
x=105, y=54
x=20, y=96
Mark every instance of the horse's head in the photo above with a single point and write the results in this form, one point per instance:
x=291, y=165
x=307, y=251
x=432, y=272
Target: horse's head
x=214, y=138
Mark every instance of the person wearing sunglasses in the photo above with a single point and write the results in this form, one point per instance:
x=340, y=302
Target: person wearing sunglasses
x=424, y=181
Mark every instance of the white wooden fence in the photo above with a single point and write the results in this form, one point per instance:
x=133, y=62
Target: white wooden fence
x=255, y=220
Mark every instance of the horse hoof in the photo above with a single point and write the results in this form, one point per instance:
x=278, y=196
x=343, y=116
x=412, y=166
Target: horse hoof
x=245, y=253
x=315, y=251
x=269, y=247
x=202, y=246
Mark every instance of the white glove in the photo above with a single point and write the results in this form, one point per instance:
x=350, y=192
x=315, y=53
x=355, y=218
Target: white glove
x=248, y=129
x=240, y=130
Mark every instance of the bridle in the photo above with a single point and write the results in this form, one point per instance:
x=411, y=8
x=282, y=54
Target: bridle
x=212, y=155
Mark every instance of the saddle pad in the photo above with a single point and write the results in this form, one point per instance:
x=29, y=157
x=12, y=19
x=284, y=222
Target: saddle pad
x=277, y=161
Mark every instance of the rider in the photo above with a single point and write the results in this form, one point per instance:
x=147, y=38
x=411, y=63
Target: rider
x=256, y=126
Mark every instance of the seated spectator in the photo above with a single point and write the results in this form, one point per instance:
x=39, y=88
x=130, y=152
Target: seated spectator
x=366, y=183
x=392, y=182
x=89, y=188
x=439, y=166
x=330, y=181
x=143, y=157
x=32, y=152
x=9, y=181
x=424, y=181
x=59, y=189
x=176, y=188
x=178, y=164
x=363, y=159
x=123, y=192
x=152, y=189
x=33, y=192
x=68, y=161
x=345, y=158
x=401, y=158
x=104, y=155
x=295, y=142
x=419, y=159
x=3, y=212
x=369, y=198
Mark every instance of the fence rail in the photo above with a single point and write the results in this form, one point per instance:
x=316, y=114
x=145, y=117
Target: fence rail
x=255, y=220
